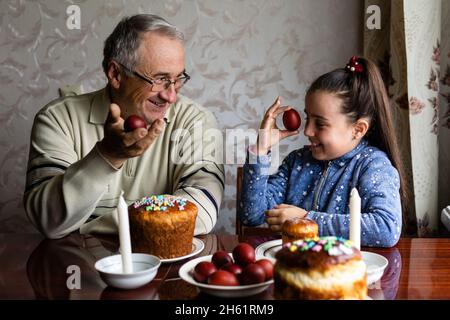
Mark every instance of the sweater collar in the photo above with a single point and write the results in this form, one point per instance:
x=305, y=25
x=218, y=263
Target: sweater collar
x=100, y=106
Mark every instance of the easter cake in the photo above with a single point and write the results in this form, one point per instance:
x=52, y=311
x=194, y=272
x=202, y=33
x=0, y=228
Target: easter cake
x=162, y=225
x=299, y=229
x=326, y=268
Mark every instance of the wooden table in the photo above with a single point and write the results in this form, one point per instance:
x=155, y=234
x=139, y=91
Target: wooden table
x=34, y=268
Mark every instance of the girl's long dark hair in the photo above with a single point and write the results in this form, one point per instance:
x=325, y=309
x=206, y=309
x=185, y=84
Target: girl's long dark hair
x=364, y=96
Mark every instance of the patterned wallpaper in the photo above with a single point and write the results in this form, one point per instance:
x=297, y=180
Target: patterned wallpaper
x=241, y=55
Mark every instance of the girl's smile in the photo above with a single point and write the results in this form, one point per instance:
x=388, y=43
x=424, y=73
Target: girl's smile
x=327, y=128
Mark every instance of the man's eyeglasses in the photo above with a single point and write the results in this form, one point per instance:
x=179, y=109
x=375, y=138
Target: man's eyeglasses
x=160, y=84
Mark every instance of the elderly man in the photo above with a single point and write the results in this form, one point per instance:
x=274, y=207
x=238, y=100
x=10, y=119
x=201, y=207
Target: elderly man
x=81, y=158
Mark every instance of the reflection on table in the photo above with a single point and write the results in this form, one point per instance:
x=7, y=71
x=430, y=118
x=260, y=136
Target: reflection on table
x=33, y=268
x=386, y=288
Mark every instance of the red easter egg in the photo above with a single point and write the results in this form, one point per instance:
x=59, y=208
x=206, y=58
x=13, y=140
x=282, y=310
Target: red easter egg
x=252, y=273
x=221, y=258
x=244, y=254
x=223, y=278
x=267, y=266
x=291, y=120
x=233, y=268
x=203, y=270
x=133, y=122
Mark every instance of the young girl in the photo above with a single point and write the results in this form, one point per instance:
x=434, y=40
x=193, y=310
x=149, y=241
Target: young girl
x=353, y=144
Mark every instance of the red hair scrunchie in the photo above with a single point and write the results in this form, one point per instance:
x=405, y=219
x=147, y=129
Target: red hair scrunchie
x=354, y=66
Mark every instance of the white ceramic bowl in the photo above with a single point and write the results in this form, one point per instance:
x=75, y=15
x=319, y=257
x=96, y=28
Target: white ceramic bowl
x=186, y=270
x=145, y=267
x=375, y=266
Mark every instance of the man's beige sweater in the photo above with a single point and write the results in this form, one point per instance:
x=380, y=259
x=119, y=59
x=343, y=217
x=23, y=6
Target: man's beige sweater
x=70, y=186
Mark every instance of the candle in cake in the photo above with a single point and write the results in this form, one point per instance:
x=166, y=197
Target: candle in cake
x=355, y=218
x=124, y=235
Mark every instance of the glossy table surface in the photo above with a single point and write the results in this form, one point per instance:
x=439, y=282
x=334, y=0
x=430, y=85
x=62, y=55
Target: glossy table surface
x=34, y=268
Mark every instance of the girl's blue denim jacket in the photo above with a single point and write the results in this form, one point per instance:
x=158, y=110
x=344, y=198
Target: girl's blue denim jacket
x=323, y=189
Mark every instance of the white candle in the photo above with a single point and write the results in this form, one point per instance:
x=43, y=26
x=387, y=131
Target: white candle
x=355, y=218
x=124, y=235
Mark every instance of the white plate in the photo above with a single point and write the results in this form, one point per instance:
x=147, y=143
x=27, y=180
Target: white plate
x=375, y=263
x=197, y=247
x=185, y=273
x=268, y=249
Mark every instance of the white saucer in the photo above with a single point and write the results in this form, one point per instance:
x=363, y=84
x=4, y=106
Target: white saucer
x=375, y=263
x=197, y=247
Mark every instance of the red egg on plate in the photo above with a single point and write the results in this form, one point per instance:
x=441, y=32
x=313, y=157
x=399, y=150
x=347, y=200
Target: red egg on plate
x=223, y=278
x=291, y=120
x=203, y=270
x=244, y=254
x=267, y=266
x=252, y=273
x=233, y=268
x=221, y=258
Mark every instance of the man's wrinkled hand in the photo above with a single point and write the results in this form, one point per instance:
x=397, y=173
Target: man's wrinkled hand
x=117, y=145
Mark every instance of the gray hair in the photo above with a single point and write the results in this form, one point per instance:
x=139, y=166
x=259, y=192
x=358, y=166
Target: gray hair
x=123, y=43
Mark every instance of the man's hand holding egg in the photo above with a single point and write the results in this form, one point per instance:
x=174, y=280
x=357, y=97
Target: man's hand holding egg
x=133, y=122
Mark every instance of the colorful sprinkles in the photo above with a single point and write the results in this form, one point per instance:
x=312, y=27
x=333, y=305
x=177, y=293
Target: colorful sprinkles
x=334, y=246
x=160, y=202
